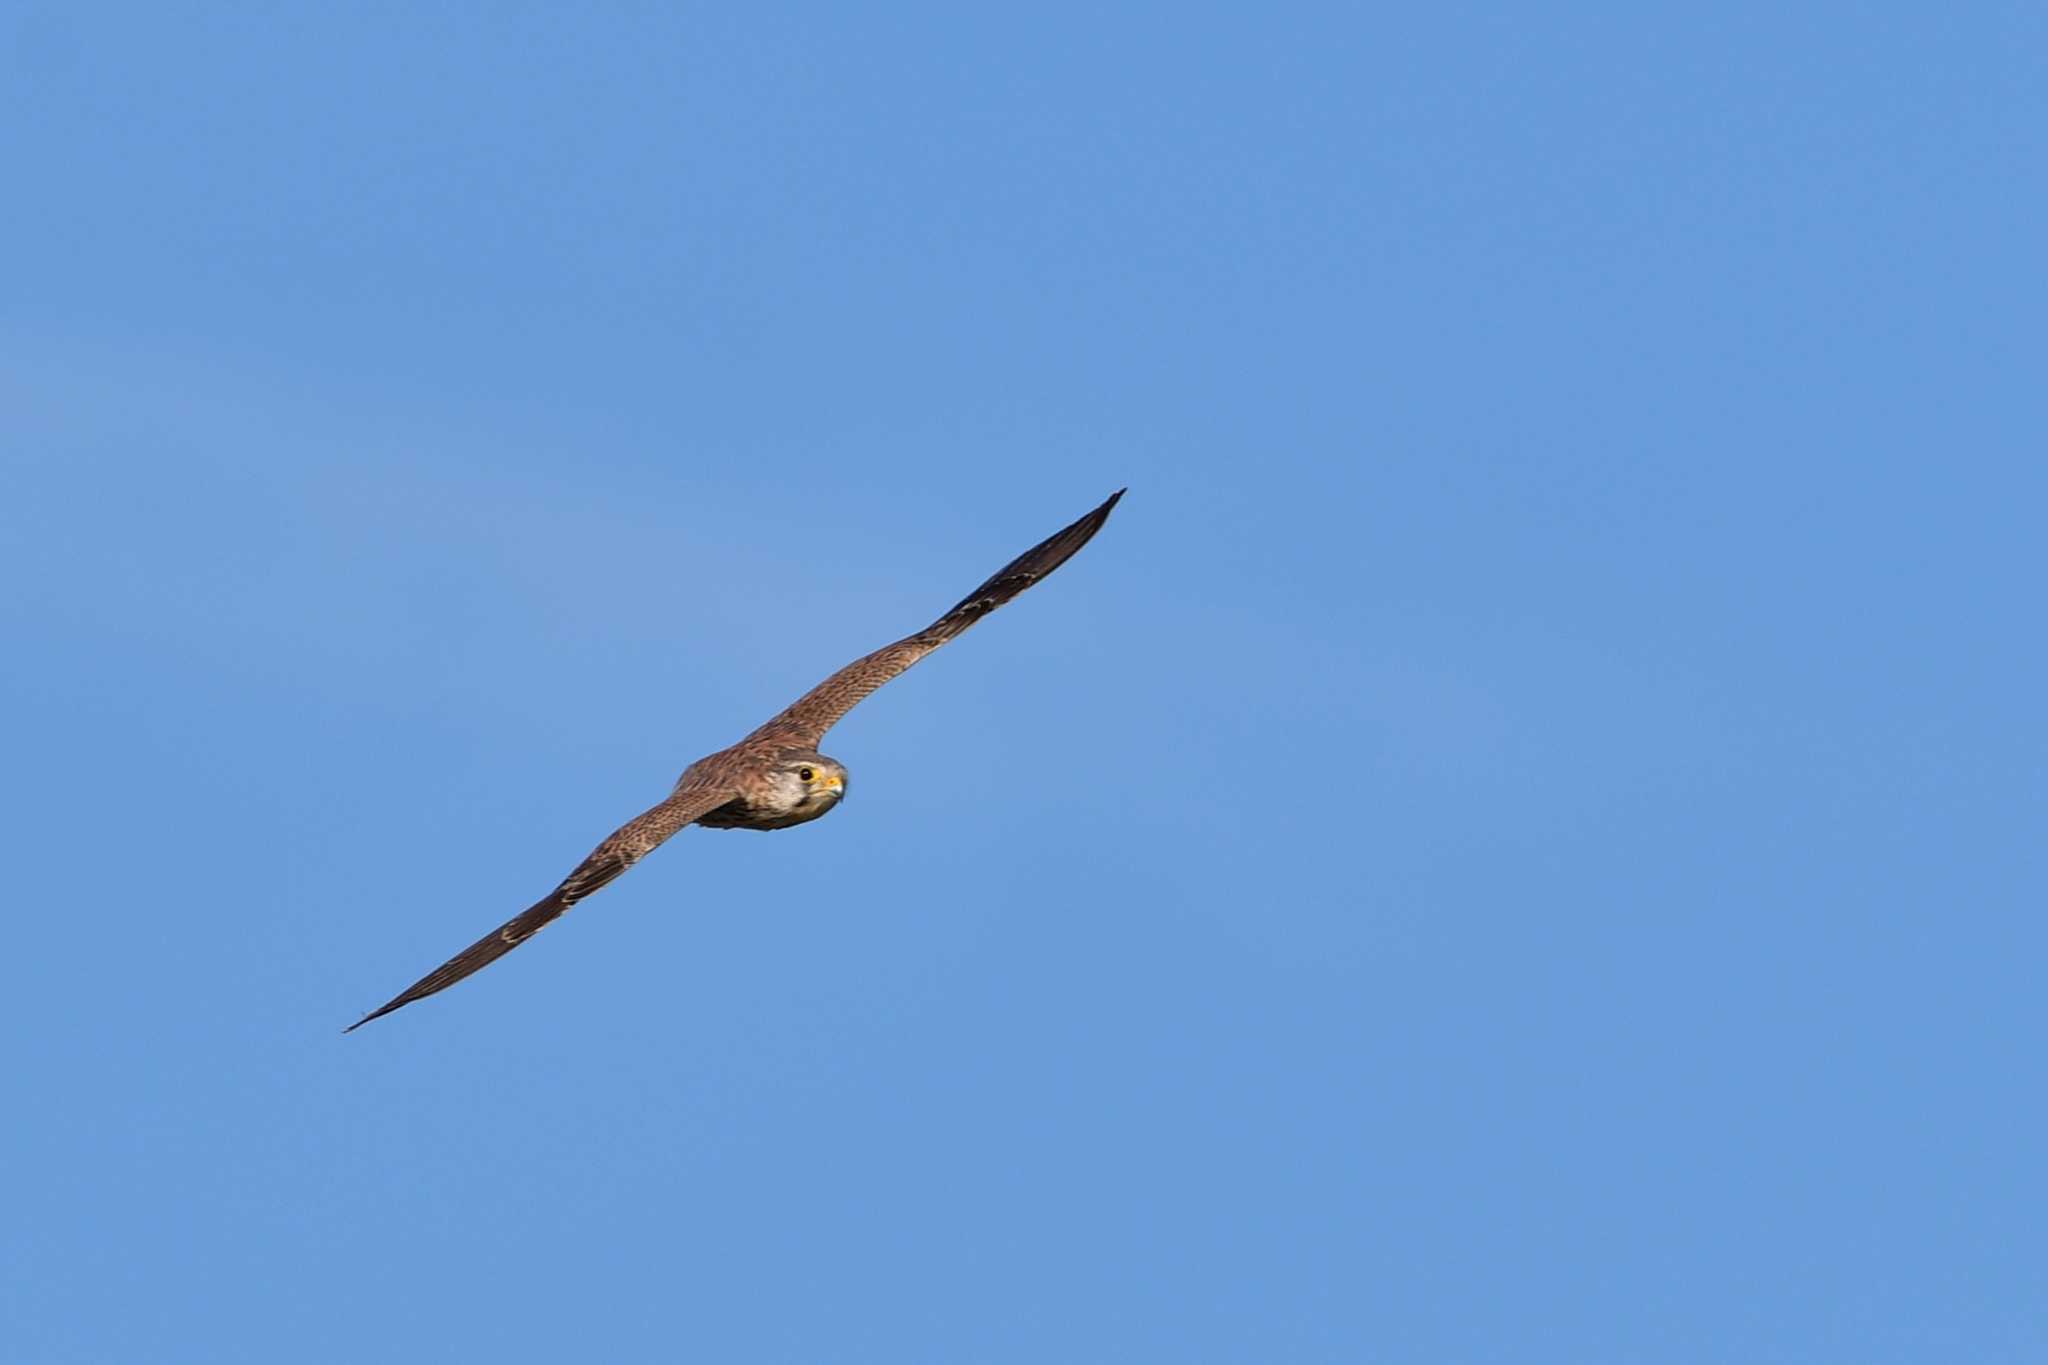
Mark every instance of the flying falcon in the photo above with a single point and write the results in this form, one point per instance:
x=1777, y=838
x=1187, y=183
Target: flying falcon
x=772, y=779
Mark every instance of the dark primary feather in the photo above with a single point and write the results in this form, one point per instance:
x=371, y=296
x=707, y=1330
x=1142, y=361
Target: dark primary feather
x=627, y=845
x=1027, y=568
x=476, y=956
x=818, y=710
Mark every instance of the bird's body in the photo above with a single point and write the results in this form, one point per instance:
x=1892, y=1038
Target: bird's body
x=772, y=779
x=792, y=787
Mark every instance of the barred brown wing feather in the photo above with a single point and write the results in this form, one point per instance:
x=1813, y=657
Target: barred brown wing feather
x=818, y=710
x=627, y=845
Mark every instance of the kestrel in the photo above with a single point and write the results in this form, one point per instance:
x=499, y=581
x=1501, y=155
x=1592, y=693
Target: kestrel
x=772, y=779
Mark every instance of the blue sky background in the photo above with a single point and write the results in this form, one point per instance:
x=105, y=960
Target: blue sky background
x=1520, y=842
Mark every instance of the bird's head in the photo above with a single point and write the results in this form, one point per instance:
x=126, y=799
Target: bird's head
x=809, y=782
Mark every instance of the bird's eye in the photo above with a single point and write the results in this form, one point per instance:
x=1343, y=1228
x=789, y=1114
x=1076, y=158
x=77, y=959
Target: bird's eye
x=805, y=773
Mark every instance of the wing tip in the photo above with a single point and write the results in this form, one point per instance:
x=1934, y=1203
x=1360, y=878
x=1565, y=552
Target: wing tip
x=373, y=1014
x=1093, y=522
x=1088, y=525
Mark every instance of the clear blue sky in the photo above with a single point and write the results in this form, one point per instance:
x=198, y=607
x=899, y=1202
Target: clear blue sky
x=1520, y=842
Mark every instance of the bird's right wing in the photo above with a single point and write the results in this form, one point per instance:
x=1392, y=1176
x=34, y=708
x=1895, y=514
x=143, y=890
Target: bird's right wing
x=628, y=844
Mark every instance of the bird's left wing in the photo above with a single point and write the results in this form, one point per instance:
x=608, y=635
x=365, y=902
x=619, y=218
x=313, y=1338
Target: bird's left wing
x=628, y=844
x=806, y=720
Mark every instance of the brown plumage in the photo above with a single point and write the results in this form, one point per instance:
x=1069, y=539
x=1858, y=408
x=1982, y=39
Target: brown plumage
x=772, y=779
